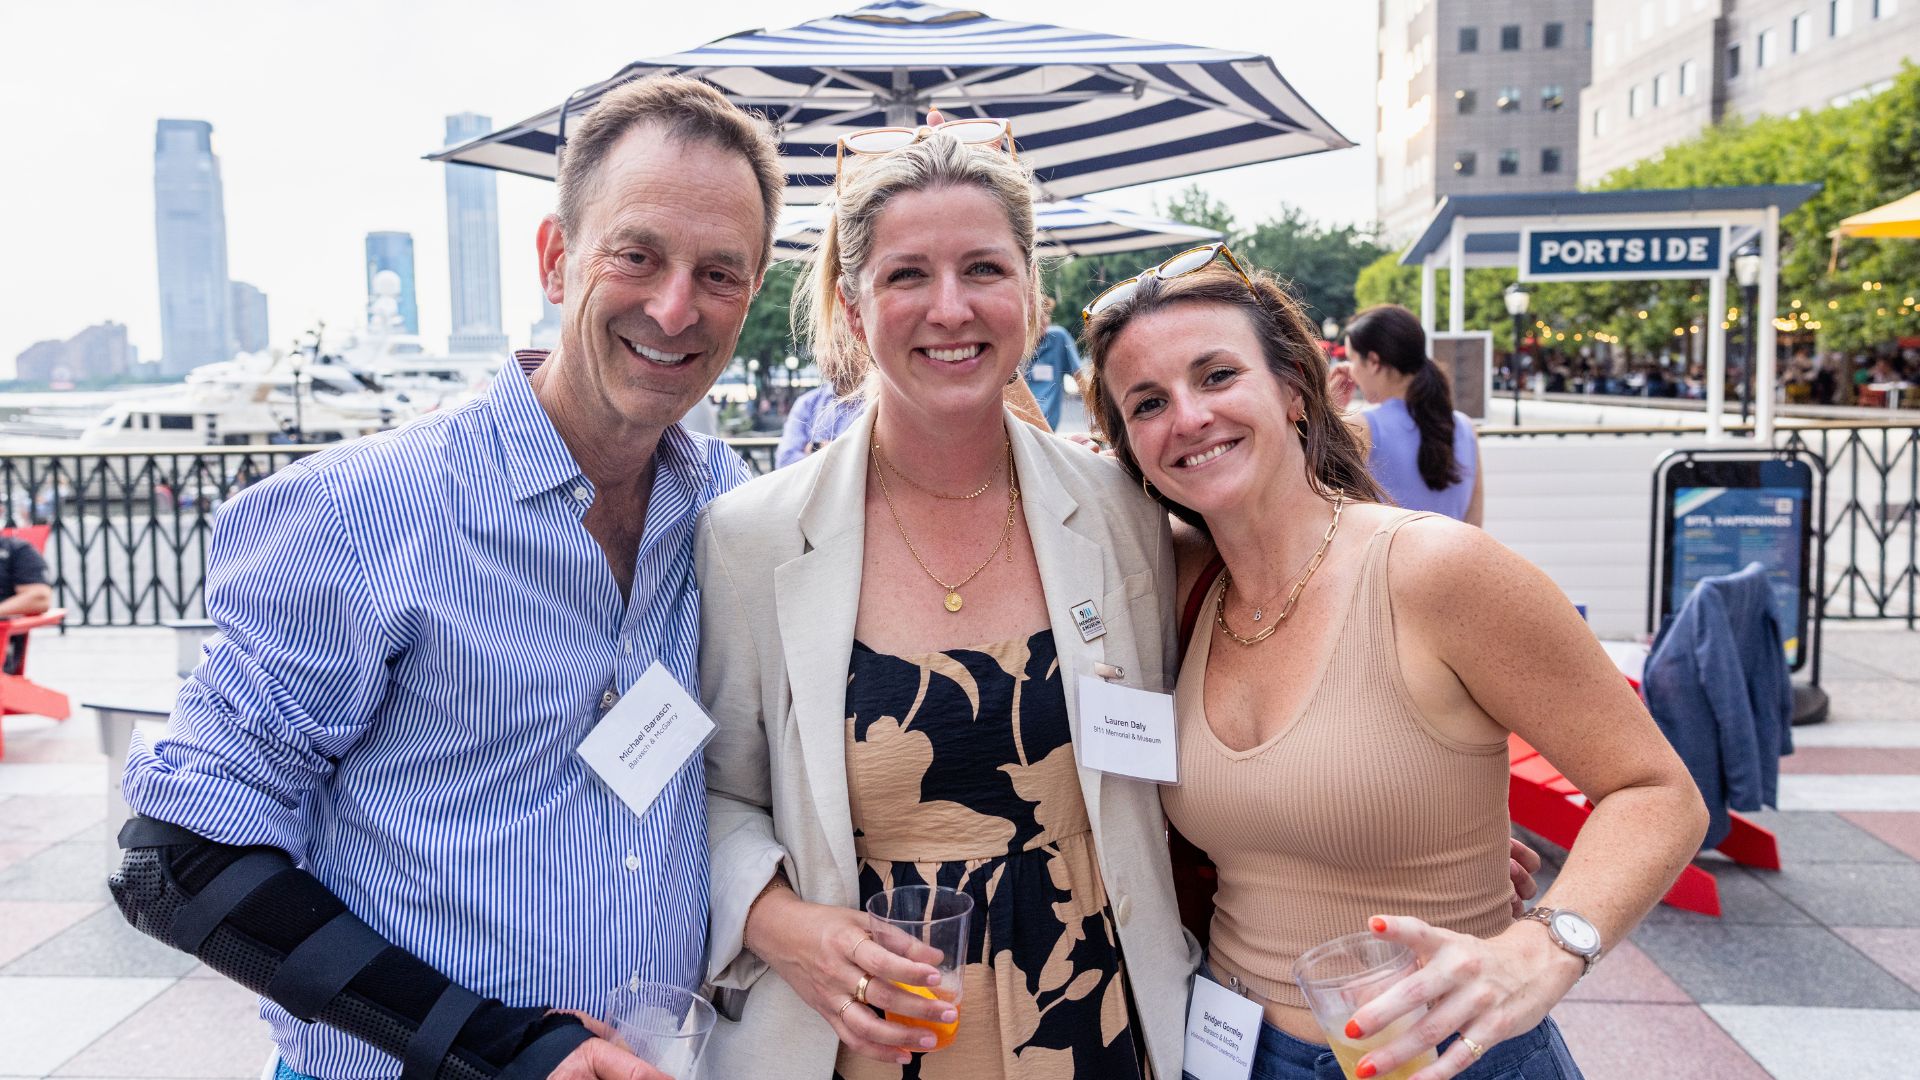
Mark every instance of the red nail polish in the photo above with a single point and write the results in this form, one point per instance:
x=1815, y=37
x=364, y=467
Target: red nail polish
x=1379, y=925
x=1365, y=1071
x=1353, y=1030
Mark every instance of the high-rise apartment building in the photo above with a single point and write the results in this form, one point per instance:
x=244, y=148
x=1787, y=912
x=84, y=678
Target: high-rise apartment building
x=249, y=318
x=1664, y=72
x=98, y=353
x=545, y=334
x=190, y=223
x=394, y=251
x=1476, y=97
x=473, y=245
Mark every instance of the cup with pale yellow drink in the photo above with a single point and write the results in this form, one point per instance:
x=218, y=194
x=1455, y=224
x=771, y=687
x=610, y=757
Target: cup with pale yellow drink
x=935, y=916
x=1340, y=976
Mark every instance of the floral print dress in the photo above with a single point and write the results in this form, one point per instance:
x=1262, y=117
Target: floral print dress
x=961, y=772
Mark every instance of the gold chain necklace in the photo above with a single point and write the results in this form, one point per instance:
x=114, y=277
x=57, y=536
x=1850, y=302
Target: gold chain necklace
x=976, y=493
x=1226, y=583
x=953, y=600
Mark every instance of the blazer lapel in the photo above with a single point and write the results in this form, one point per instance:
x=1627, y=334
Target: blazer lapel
x=817, y=600
x=1071, y=573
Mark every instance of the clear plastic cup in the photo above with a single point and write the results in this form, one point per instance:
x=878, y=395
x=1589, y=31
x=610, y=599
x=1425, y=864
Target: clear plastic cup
x=663, y=1025
x=1340, y=976
x=933, y=915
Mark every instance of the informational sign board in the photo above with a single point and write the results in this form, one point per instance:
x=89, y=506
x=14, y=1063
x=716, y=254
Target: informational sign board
x=1692, y=251
x=1466, y=360
x=1720, y=515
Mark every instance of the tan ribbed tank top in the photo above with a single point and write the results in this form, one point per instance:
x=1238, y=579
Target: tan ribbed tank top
x=1359, y=807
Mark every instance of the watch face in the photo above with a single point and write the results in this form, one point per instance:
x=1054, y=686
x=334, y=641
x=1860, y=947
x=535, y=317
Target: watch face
x=1576, y=932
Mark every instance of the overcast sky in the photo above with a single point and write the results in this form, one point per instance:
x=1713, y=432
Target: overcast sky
x=321, y=112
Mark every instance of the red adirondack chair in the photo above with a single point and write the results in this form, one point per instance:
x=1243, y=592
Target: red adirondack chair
x=19, y=694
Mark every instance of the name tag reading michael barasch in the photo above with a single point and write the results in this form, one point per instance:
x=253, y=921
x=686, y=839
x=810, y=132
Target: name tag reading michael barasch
x=646, y=739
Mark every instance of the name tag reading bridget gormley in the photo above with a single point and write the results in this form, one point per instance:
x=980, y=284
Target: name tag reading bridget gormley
x=644, y=741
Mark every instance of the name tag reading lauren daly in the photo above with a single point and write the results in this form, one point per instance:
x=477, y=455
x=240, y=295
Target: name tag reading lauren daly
x=646, y=738
x=1223, y=1031
x=1126, y=731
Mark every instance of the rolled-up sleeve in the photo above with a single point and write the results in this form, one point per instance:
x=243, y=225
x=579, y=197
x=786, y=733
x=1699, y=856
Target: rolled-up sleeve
x=287, y=686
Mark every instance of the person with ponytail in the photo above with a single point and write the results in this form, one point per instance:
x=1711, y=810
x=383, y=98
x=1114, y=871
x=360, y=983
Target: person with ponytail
x=1424, y=454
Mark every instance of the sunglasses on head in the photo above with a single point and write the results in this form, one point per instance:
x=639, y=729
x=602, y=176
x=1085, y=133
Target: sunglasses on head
x=1186, y=262
x=885, y=140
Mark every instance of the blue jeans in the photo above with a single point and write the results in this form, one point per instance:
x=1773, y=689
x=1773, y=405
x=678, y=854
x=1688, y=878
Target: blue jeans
x=1539, y=1054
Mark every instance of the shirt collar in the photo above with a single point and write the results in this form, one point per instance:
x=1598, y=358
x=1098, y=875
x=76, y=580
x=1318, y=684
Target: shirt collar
x=537, y=457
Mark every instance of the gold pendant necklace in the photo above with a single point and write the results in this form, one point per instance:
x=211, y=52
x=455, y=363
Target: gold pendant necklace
x=1226, y=583
x=953, y=601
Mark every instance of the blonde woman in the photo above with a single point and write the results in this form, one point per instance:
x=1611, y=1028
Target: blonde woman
x=889, y=650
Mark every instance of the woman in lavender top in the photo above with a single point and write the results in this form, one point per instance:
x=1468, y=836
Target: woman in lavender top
x=1424, y=453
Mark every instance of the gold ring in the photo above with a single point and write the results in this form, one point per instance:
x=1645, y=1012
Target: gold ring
x=865, y=936
x=1473, y=1048
x=842, y=1010
x=860, y=991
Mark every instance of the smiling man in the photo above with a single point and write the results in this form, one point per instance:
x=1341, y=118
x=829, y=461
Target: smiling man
x=368, y=806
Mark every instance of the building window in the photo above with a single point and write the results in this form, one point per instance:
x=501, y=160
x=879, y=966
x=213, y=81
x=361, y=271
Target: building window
x=1509, y=38
x=1463, y=163
x=1767, y=50
x=1689, y=78
x=1839, y=17
x=1633, y=102
x=1552, y=98
x=1469, y=39
x=1733, y=61
x=1659, y=90
x=1552, y=35
x=1589, y=34
x=1599, y=122
x=1550, y=159
x=1885, y=8
x=1464, y=101
x=1509, y=99
x=1802, y=32
x=1509, y=163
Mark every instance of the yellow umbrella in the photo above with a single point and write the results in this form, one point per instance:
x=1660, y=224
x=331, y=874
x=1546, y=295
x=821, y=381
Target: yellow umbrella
x=1898, y=219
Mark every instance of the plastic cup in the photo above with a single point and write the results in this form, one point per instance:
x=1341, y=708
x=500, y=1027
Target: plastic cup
x=932, y=915
x=1340, y=976
x=663, y=1025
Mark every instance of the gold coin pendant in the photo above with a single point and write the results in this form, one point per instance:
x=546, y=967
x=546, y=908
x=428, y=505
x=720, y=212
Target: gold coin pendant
x=953, y=601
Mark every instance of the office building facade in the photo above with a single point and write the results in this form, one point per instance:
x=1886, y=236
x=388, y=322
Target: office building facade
x=1475, y=97
x=473, y=245
x=190, y=224
x=1664, y=72
x=249, y=307
x=394, y=251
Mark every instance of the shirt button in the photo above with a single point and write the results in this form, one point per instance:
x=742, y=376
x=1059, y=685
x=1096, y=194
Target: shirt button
x=580, y=493
x=633, y=861
x=1122, y=910
x=609, y=699
x=627, y=648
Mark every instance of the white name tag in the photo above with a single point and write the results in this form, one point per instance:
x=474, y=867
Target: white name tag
x=646, y=739
x=1126, y=731
x=1223, y=1032
x=1041, y=373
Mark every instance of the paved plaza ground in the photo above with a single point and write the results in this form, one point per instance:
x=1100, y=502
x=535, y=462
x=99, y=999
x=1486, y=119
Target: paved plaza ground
x=1812, y=972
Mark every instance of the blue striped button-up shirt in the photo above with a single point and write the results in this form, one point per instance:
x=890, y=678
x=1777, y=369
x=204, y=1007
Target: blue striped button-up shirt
x=416, y=631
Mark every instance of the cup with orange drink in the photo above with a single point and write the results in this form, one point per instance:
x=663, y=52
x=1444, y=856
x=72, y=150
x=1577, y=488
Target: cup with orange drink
x=935, y=916
x=1340, y=976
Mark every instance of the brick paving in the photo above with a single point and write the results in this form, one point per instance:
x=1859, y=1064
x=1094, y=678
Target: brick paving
x=1812, y=972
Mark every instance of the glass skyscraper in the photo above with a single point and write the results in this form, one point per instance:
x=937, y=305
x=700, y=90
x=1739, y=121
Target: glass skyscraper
x=394, y=251
x=190, y=223
x=473, y=245
x=249, y=318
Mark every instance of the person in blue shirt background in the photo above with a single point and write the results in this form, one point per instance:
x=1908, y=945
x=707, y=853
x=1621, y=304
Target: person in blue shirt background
x=1054, y=360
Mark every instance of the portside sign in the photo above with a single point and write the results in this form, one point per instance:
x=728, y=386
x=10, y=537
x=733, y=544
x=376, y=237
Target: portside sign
x=1693, y=251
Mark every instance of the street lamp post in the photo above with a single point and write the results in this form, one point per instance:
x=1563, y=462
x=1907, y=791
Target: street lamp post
x=1517, y=298
x=1746, y=270
x=1330, y=330
x=793, y=370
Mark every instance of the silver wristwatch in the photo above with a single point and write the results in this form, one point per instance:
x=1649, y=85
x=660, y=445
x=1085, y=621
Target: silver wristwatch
x=1571, y=931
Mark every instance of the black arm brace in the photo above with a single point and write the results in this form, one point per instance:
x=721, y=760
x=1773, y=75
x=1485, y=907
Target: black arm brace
x=254, y=917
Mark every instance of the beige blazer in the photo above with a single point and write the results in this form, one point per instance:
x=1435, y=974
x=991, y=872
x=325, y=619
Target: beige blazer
x=779, y=561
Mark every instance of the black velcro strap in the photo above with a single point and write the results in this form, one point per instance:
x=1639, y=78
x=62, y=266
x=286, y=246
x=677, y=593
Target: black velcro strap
x=141, y=832
x=315, y=972
x=429, y=1045
x=538, y=1061
x=193, y=923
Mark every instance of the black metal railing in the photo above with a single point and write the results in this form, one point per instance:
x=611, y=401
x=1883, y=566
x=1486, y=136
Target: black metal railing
x=129, y=530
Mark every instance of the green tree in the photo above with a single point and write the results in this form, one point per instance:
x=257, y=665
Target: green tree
x=767, y=335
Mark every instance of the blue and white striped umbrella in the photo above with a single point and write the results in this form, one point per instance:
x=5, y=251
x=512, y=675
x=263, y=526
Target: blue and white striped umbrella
x=1065, y=227
x=1090, y=111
